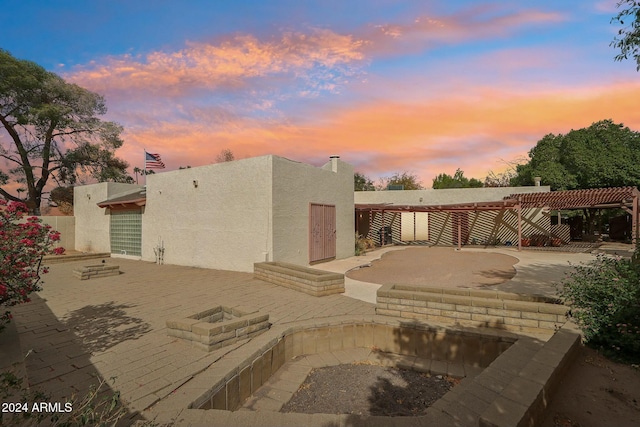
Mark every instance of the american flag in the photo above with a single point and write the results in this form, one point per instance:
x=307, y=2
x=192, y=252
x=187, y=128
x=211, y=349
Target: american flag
x=152, y=161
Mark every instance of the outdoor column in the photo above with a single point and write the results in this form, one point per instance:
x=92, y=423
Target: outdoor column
x=383, y=241
x=519, y=209
x=459, y=217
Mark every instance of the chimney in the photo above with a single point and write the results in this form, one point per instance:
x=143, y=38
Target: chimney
x=334, y=163
x=537, y=180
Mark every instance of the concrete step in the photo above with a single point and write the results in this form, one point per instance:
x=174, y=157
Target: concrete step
x=57, y=259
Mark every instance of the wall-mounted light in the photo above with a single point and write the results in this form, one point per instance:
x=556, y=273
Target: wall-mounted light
x=89, y=196
x=195, y=183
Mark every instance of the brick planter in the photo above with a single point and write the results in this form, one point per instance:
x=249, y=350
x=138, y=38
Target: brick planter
x=308, y=280
x=93, y=271
x=218, y=327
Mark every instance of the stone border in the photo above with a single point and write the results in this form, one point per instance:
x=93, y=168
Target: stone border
x=527, y=314
x=218, y=327
x=93, y=271
x=308, y=280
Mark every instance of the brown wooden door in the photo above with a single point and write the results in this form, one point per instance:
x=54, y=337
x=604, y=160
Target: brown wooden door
x=322, y=232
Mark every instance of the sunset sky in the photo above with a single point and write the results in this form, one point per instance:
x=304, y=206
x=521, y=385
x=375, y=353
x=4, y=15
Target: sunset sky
x=390, y=86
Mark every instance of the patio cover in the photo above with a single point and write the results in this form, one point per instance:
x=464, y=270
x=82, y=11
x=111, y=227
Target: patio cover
x=134, y=199
x=593, y=198
x=453, y=208
x=615, y=197
x=458, y=207
x=578, y=199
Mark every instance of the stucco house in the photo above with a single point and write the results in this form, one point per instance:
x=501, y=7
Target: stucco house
x=225, y=215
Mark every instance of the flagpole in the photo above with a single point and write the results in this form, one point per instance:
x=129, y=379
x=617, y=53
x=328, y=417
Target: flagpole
x=145, y=166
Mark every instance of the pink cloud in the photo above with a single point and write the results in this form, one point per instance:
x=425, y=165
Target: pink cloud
x=229, y=64
x=430, y=123
x=322, y=58
x=477, y=132
x=471, y=23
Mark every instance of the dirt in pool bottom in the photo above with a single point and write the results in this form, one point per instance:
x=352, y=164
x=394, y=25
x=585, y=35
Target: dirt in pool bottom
x=367, y=389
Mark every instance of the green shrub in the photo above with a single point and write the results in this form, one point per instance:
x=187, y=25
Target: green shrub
x=363, y=244
x=604, y=297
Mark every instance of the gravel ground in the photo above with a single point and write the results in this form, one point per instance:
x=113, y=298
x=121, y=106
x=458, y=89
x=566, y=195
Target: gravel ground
x=367, y=389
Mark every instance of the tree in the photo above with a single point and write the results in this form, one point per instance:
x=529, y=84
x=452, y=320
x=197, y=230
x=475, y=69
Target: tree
x=502, y=179
x=22, y=246
x=63, y=199
x=458, y=180
x=362, y=182
x=62, y=195
x=605, y=154
x=407, y=180
x=628, y=38
x=137, y=170
x=225, y=155
x=53, y=132
x=142, y=172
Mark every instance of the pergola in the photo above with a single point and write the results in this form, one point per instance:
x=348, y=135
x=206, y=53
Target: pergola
x=617, y=197
x=458, y=208
x=625, y=198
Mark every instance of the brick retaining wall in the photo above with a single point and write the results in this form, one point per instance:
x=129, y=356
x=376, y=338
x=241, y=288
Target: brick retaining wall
x=308, y=280
x=470, y=307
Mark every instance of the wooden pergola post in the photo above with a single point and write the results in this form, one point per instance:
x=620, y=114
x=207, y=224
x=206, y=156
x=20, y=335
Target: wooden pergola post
x=519, y=209
x=459, y=218
x=383, y=240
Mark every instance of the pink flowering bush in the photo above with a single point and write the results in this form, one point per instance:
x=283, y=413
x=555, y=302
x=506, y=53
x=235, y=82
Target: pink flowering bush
x=23, y=244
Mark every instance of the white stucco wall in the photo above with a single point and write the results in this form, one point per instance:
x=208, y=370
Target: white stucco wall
x=295, y=186
x=444, y=196
x=66, y=226
x=224, y=222
x=92, y=222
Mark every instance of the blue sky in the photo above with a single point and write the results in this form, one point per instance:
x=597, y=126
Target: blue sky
x=424, y=87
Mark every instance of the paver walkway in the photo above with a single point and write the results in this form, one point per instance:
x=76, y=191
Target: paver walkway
x=79, y=332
